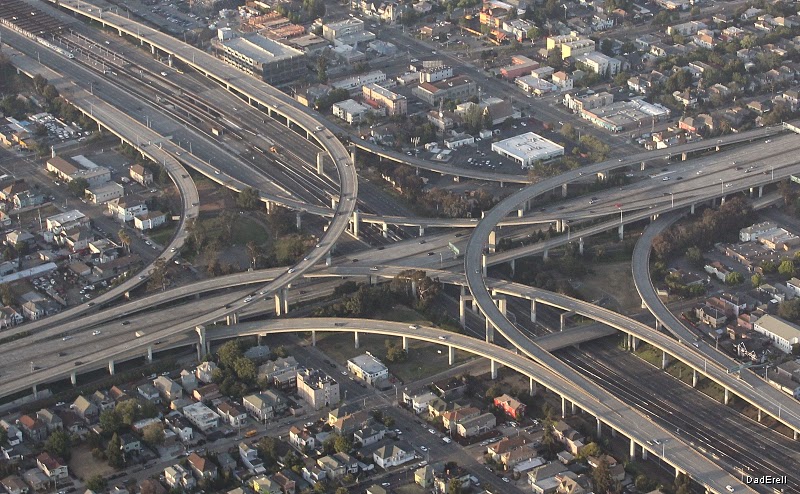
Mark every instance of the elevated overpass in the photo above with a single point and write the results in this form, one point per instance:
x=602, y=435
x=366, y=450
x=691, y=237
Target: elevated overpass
x=606, y=408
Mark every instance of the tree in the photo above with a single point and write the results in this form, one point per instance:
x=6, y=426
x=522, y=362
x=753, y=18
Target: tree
x=96, y=483
x=245, y=369
x=342, y=445
x=601, y=477
x=682, y=484
x=114, y=452
x=786, y=268
x=695, y=256
x=454, y=486
x=59, y=444
x=591, y=449
x=533, y=33
x=733, y=278
x=790, y=310
x=78, y=187
x=254, y=253
x=154, y=434
x=6, y=295
x=342, y=490
x=757, y=280
x=110, y=422
x=249, y=198
x=230, y=352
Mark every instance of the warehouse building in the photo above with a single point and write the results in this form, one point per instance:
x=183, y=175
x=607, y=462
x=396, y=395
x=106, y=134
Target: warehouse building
x=526, y=149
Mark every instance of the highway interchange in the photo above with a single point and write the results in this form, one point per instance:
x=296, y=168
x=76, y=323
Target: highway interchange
x=544, y=368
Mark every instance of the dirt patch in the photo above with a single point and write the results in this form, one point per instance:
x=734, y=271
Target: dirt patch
x=612, y=282
x=83, y=465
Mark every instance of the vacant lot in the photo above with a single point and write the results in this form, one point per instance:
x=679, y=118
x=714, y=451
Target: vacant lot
x=614, y=282
x=83, y=465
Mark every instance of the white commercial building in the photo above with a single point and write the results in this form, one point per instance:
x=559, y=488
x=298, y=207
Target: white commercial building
x=201, y=416
x=354, y=83
x=368, y=368
x=526, y=149
x=782, y=333
x=350, y=110
x=600, y=63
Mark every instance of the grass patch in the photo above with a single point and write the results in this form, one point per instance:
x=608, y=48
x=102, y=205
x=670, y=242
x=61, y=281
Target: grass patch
x=83, y=465
x=680, y=371
x=162, y=236
x=648, y=353
x=32, y=215
x=411, y=488
x=423, y=359
x=247, y=229
x=711, y=389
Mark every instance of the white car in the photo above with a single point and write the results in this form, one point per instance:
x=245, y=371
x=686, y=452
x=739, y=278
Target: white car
x=432, y=431
x=248, y=299
x=95, y=332
x=729, y=488
x=424, y=449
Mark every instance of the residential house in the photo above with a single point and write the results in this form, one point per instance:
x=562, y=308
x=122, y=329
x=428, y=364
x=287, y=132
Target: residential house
x=232, y=413
x=287, y=485
x=125, y=209
x=369, y=435
x=149, y=220
x=181, y=427
x=302, y=439
x=258, y=406
x=202, y=467
x=149, y=393
x=476, y=425
x=419, y=403
x=451, y=419
x=87, y=410
x=169, y=389
x=710, y=316
x=52, y=466
x=543, y=478
x=207, y=393
x=37, y=479
x=50, y=419
x=205, y=371
x=572, y=439
x=130, y=443
x=393, y=454
x=367, y=368
x=511, y=406
x=250, y=459
x=141, y=175
x=14, y=485
x=449, y=389
x=151, y=486
x=264, y=485
x=178, y=477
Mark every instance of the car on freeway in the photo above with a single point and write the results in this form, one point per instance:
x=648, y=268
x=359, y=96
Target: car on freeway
x=95, y=332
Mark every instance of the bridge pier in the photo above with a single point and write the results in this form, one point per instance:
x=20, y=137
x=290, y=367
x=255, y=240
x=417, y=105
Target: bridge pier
x=313, y=338
x=298, y=220
x=405, y=344
x=694, y=378
x=760, y=190
x=385, y=230
x=691, y=209
x=111, y=367
x=727, y=397
x=451, y=355
x=355, y=223
x=357, y=343
x=644, y=454
x=533, y=310
x=684, y=156
x=580, y=246
x=563, y=318
x=150, y=353
x=462, y=308
x=598, y=429
x=493, y=368
x=572, y=408
x=531, y=387
x=513, y=264
x=663, y=360
x=643, y=166
x=73, y=378
x=621, y=231
x=563, y=190
x=328, y=259
x=202, y=345
x=269, y=207
x=634, y=343
x=282, y=302
x=35, y=391
x=545, y=254
x=421, y=230
x=232, y=319
x=489, y=331
x=483, y=264
x=520, y=212
x=320, y=163
x=334, y=202
x=492, y=242
x=563, y=407
x=632, y=452
x=759, y=415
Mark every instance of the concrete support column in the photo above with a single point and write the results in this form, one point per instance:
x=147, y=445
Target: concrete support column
x=663, y=360
x=621, y=231
x=533, y=310
x=684, y=156
x=111, y=367
x=644, y=454
x=405, y=344
x=202, y=345
x=795, y=434
x=328, y=259
x=760, y=190
x=313, y=338
x=563, y=407
x=334, y=202
x=599, y=429
x=353, y=155
x=613, y=432
x=320, y=163
x=545, y=254
x=634, y=342
x=355, y=335
x=451, y=355
x=489, y=331
x=691, y=209
x=385, y=230
x=462, y=308
x=269, y=207
x=694, y=378
x=520, y=212
x=727, y=396
x=632, y=452
x=298, y=220
x=563, y=190
x=279, y=303
x=502, y=303
x=150, y=353
x=559, y=226
x=492, y=242
x=513, y=264
x=493, y=368
x=643, y=166
x=531, y=387
x=572, y=408
x=35, y=391
x=73, y=378
x=421, y=230
x=484, y=267
x=759, y=415
x=355, y=222
x=752, y=192
x=580, y=246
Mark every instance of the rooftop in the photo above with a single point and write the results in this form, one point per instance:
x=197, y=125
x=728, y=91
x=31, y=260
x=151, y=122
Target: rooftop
x=261, y=49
